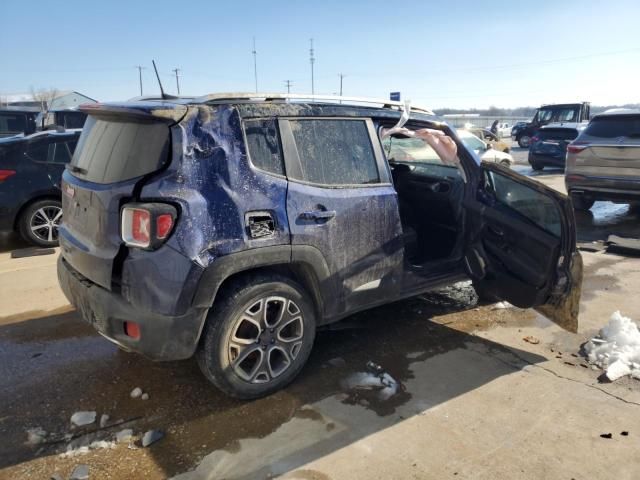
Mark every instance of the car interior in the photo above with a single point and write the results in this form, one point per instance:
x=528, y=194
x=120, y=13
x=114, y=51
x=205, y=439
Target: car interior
x=430, y=196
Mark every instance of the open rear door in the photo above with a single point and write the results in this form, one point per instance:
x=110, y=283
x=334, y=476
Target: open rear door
x=521, y=244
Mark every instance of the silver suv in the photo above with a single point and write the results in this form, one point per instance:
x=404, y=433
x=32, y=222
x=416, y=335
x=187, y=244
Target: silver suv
x=603, y=163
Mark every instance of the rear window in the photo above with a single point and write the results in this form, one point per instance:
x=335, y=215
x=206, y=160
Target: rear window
x=116, y=150
x=614, y=126
x=557, y=134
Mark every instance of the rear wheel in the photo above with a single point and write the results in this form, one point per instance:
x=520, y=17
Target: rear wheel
x=257, y=337
x=581, y=203
x=524, y=141
x=536, y=166
x=39, y=223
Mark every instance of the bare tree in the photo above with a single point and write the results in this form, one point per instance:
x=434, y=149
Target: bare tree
x=44, y=97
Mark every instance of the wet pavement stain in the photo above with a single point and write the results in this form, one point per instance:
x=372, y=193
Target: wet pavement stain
x=90, y=373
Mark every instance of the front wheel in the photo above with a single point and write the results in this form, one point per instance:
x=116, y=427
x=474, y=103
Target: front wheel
x=39, y=223
x=524, y=141
x=257, y=337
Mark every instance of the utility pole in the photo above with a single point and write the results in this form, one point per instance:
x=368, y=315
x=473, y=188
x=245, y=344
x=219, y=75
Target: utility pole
x=176, y=70
x=288, y=84
x=312, y=60
x=341, y=75
x=255, y=63
x=140, y=68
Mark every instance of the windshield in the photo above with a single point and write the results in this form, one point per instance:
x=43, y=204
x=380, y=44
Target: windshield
x=471, y=141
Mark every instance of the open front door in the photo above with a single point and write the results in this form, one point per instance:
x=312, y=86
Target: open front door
x=521, y=244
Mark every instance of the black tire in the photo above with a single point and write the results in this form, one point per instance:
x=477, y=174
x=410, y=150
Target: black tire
x=483, y=295
x=524, y=141
x=46, y=214
x=581, y=203
x=233, y=316
x=536, y=166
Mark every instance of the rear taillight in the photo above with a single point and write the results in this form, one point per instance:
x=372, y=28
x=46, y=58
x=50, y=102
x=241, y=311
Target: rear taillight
x=147, y=225
x=4, y=174
x=577, y=147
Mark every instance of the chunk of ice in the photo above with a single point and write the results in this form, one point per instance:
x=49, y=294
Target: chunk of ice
x=136, y=392
x=83, y=418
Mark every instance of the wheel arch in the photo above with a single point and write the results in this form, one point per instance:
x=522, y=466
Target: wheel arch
x=303, y=264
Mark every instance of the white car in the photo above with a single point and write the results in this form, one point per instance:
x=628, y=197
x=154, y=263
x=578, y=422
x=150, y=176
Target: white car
x=484, y=150
x=504, y=130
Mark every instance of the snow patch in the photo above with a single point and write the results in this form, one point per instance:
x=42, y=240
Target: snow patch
x=83, y=418
x=617, y=348
x=97, y=445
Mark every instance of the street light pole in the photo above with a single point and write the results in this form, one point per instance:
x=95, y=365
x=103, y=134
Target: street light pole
x=312, y=60
x=255, y=63
x=140, y=67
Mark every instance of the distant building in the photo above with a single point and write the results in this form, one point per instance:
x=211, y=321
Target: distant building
x=62, y=99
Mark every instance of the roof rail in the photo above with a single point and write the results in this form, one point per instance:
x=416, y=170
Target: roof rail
x=240, y=97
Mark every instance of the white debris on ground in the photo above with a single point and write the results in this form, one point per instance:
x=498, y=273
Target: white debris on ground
x=136, y=392
x=152, y=436
x=97, y=445
x=384, y=383
x=145, y=396
x=124, y=435
x=83, y=418
x=104, y=418
x=501, y=306
x=617, y=348
x=35, y=435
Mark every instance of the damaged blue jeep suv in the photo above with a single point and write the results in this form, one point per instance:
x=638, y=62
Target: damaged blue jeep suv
x=230, y=227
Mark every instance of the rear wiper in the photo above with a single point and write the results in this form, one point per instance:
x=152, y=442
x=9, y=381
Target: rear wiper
x=76, y=169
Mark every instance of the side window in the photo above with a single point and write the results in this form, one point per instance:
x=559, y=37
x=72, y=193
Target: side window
x=536, y=206
x=64, y=151
x=335, y=152
x=38, y=151
x=263, y=145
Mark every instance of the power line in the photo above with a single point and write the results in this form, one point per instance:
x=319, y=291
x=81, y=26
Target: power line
x=140, y=68
x=288, y=83
x=312, y=60
x=176, y=70
x=255, y=63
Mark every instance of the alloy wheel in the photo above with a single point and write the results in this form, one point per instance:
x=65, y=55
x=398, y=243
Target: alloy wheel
x=44, y=223
x=265, y=339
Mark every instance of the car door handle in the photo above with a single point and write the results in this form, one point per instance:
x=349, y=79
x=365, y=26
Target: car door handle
x=318, y=216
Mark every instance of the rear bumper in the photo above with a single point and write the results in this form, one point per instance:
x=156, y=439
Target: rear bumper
x=162, y=337
x=603, y=188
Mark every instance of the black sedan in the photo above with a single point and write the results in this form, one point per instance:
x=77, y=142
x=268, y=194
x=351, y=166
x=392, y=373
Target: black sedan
x=30, y=171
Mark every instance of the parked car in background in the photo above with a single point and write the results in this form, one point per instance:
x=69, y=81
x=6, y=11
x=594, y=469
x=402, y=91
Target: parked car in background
x=30, y=171
x=557, y=113
x=603, y=163
x=67, y=118
x=17, y=121
x=484, y=150
x=549, y=146
x=489, y=137
x=504, y=130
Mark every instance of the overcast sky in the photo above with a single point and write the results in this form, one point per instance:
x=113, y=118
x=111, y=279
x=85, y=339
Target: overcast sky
x=459, y=54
